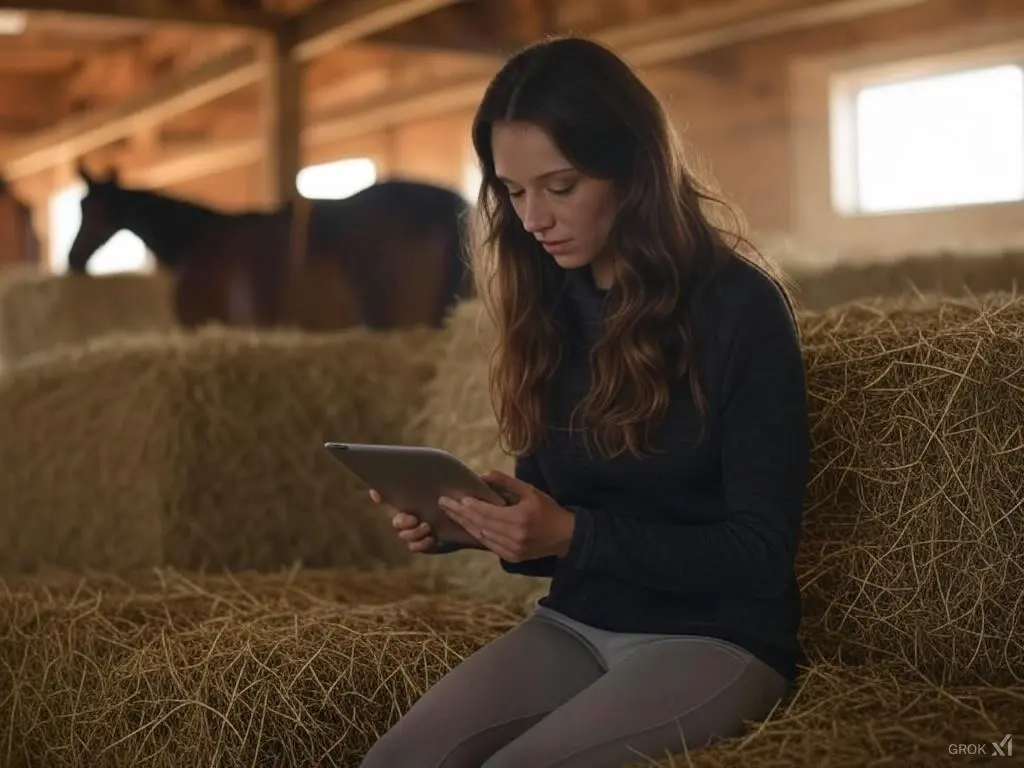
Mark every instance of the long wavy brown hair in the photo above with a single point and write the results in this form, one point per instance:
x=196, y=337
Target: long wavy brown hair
x=609, y=125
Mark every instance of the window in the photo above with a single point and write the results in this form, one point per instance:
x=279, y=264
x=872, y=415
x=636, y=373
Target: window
x=124, y=252
x=337, y=179
x=945, y=140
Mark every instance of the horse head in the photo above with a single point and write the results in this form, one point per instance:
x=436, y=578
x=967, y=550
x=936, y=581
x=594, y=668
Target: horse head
x=102, y=218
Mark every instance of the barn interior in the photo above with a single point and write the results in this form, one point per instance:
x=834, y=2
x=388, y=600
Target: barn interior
x=189, y=578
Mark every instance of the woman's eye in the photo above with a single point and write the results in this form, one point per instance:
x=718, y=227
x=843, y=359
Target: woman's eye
x=563, y=190
x=516, y=194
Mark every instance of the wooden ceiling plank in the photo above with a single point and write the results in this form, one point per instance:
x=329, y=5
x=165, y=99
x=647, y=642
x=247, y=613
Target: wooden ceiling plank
x=689, y=33
x=181, y=93
x=723, y=24
x=467, y=28
x=684, y=33
x=178, y=11
x=333, y=23
x=171, y=97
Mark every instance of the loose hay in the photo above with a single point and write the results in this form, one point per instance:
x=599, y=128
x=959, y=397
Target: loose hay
x=310, y=668
x=286, y=669
x=41, y=311
x=913, y=545
x=849, y=717
x=202, y=450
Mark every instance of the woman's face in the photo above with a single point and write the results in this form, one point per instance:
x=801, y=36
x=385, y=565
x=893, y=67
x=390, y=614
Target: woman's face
x=569, y=213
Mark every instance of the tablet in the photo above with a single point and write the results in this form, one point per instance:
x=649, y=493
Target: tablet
x=413, y=478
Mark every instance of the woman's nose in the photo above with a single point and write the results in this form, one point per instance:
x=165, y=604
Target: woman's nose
x=536, y=216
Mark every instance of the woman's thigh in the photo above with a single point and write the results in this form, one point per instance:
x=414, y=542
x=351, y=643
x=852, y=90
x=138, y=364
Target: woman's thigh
x=489, y=699
x=647, y=706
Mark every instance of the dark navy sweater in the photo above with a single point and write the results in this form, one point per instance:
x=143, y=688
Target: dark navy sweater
x=696, y=539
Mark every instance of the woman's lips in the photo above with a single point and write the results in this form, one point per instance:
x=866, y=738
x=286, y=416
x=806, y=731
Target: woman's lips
x=555, y=247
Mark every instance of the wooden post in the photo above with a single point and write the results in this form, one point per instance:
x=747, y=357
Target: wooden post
x=282, y=120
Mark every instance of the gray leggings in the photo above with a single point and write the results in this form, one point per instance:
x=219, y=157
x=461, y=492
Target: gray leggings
x=555, y=693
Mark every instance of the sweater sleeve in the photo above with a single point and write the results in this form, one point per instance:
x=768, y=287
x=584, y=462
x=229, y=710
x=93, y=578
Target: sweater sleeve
x=526, y=469
x=765, y=446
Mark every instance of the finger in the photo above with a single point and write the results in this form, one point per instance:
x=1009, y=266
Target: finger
x=484, y=528
x=497, y=518
x=506, y=481
x=498, y=548
x=422, y=545
x=405, y=520
x=415, y=534
x=375, y=496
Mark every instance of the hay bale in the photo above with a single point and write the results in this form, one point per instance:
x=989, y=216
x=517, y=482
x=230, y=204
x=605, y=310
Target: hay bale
x=201, y=450
x=88, y=455
x=849, y=717
x=256, y=487
x=913, y=548
x=284, y=669
x=950, y=274
x=40, y=310
x=457, y=416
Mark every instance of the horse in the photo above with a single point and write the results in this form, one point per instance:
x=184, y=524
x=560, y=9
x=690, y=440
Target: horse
x=18, y=241
x=389, y=256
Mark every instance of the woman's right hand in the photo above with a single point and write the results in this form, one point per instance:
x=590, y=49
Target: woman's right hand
x=417, y=536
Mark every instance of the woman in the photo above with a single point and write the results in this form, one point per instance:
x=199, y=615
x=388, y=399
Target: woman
x=650, y=381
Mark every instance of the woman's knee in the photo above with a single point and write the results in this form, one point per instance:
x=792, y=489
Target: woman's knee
x=409, y=749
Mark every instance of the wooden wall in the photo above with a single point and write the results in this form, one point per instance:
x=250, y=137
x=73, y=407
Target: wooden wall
x=760, y=114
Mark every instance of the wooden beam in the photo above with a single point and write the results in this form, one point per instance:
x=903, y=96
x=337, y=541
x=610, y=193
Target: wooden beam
x=219, y=14
x=689, y=33
x=313, y=33
x=709, y=27
x=649, y=43
x=173, y=96
x=206, y=159
x=469, y=28
x=331, y=24
x=282, y=120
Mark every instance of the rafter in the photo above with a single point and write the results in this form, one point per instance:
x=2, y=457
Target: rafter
x=646, y=44
x=326, y=26
x=332, y=23
x=223, y=14
x=483, y=29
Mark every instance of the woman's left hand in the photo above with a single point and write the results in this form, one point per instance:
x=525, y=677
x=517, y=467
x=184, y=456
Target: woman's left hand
x=535, y=526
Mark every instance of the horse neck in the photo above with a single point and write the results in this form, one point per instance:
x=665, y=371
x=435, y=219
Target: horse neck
x=164, y=224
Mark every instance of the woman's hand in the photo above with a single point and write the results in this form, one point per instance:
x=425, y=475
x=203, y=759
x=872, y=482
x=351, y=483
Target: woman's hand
x=535, y=526
x=417, y=536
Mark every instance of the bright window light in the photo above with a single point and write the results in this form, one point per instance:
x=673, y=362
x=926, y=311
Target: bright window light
x=948, y=140
x=13, y=22
x=124, y=252
x=337, y=179
x=471, y=180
